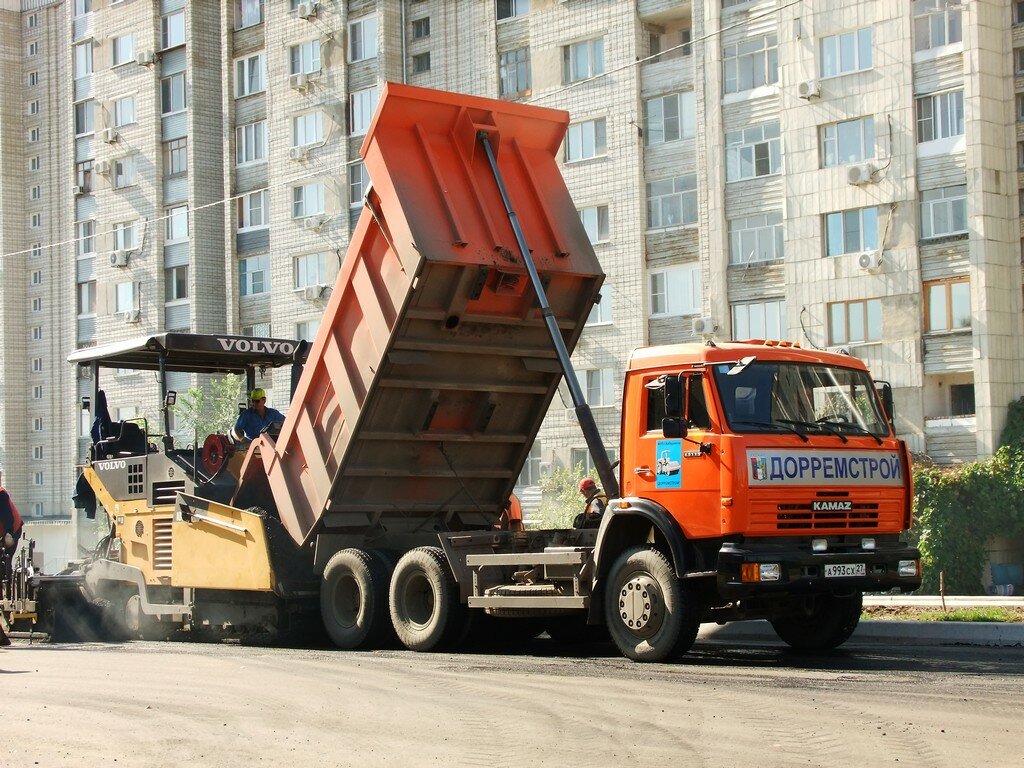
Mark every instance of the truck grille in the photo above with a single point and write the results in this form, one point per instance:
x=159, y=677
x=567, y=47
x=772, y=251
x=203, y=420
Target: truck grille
x=162, y=544
x=801, y=517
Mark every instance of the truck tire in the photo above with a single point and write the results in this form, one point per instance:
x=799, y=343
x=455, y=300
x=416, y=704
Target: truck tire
x=829, y=625
x=354, y=598
x=424, y=601
x=651, y=614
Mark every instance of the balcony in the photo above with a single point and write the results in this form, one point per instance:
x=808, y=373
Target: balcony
x=951, y=440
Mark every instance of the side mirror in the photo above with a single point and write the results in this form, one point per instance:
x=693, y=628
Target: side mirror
x=885, y=394
x=673, y=397
x=673, y=428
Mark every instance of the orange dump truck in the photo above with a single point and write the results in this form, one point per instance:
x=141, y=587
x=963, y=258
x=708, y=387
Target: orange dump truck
x=757, y=479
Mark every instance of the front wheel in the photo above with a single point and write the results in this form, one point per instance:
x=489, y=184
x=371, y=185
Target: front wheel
x=651, y=614
x=827, y=625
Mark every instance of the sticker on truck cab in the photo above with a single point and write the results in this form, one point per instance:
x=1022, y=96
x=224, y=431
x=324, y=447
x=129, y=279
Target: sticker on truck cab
x=668, y=469
x=797, y=467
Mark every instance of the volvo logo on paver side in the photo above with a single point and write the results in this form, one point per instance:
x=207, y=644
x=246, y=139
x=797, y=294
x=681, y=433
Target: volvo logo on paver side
x=257, y=345
x=106, y=466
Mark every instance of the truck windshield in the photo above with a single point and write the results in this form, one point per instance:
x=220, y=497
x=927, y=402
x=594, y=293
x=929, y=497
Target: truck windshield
x=772, y=396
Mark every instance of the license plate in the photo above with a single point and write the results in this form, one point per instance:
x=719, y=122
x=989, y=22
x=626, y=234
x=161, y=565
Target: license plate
x=839, y=570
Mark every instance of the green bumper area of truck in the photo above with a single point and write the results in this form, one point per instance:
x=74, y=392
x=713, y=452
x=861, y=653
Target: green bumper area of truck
x=748, y=570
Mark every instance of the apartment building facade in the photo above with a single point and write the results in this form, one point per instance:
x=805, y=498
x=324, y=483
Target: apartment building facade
x=841, y=175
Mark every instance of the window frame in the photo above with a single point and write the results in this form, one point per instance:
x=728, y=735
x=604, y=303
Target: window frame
x=586, y=140
x=595, y=60
x=362, y=104
x=733, y=58
x=684, y=186
x=118, y=118
x=300, y=199
x=691, y=273
x=866, y=317
x=244, y=216
x=742, y=142
x=122, y=45
x=175, y=155
x=245, y=67
x=684, y=121
x=301, y=271
x=357, y=42
x=246, y=139
x=173, y=88
x=246, y=281
x=947, y=114
x=858, y=64
x=771, y=229
x=513, y=69
x=946, y=285
x=597, y=230
x=831, y=138
x=861, y=216
x=929, y=232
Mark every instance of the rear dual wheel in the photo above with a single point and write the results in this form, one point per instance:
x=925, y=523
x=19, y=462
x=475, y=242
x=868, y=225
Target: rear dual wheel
x=354, y=598
x=424, y=602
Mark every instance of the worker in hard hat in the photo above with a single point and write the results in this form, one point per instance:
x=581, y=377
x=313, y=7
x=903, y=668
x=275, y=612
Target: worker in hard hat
x=10, y=533
x=596, y=501
x=256, y=418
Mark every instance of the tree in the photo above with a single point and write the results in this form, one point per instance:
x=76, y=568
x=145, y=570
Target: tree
x=561, y=500
x=209, y=409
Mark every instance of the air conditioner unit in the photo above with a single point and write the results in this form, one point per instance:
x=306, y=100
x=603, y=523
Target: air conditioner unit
x=307, y=10
x=298, y=153
x=77, y=191
x=860, y=174
x=131, y=316
x=109, y=135
x=839, y=350
x=870, y=260
x=314, y=223
x=809, y=89
x=704, y=326
x=312, y=292
x=103, y=167
x=145, y=58
x=119, y=258
x=299, y=81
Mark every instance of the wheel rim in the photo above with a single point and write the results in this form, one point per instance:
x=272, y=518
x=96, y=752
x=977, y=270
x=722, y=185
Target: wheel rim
x=418, y=600
x=641, y=607
x=347, y=599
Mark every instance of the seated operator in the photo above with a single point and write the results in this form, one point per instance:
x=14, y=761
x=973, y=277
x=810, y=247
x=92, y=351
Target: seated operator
x=256, y=417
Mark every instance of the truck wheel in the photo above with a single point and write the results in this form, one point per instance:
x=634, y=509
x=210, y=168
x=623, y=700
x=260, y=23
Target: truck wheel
x=353, y=598
x=827, y=626
x=424, y=601
x=650, y=613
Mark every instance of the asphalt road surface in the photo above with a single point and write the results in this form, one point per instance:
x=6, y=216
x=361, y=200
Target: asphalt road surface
x=182, y=704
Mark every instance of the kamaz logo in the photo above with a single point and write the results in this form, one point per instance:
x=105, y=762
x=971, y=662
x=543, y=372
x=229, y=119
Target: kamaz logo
x=257, y=345
x=831, y=506
x=106, y=466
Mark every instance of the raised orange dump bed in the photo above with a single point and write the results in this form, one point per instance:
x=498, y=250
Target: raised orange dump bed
x=433, y=370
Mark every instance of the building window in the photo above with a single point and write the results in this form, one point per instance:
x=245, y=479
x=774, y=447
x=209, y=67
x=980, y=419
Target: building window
x=83, y=118
x=1020, y=155
x=81, y=59
x=254, y=210
x=509, y=9
x=249, y=77
x=36, y=250
x=362, y=39
x=172, y=30
x=37, y=453
x=670, y=118
x=361, y=108
x=754, y=151
x=124, y=111
x=580, y=457
x=35, y=220
x=254, y=275
x=37, y=335
x=850, y=322
x=251, y=143
x=514, y=72
x=308, y=129
x=670, y=44
x=961, y=400
x=937, y=23
x=595, y=222
x=586, y=140
x=943, y=211
x=1020, y=107
x=759, y=320
x=173, y=94
x=850, y=141
x=305, y=58
x=947, y=305
x=672, y=202
x=307, y=200
x=33, y=79
x=35, y=192
x=34, y=163
x=1018, y=12
x=176, y=283
x=124, y=235
x=940, y=116
x=32, y=20
x=751, y=64
x=35, y=277
x=310, y=269
x=307, y=330
x=37, y=478
x=582, y=60
x=85, y=238
x=123, y=50
x=601, y=312
x=124, y=297
x=33, y=135
x=83, y=176
x=1018, y=61
x=600, y=385
x=248, y=13
x=124, y=172
x=421, y=63
x=853, y=231
x=37, y=304
x=82, y=7
x=847, y=52
x=86, y=299
x=177, y=224
x=421, y=28
x=37, y=424
x=358, y=181
x=257, y=329
x=675, y=291
x=756, y=238
x=176, y=157
x=33, y=107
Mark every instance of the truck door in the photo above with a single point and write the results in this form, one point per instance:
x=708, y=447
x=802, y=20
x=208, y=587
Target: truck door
x=681, y=474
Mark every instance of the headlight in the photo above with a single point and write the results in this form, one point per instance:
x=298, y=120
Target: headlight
x=770, y=571
x=910, y=568
x=867, y=544
x=819, y=545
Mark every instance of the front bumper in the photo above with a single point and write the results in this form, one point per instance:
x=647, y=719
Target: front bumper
x=803, y=571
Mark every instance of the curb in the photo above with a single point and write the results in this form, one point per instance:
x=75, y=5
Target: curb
x=990, y=634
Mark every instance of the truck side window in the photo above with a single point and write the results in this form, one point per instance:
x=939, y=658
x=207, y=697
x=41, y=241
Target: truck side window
x=655, y=409
x=697, y=407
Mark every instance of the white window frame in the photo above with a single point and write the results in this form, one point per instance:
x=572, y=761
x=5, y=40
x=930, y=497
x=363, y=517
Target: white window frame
x=308, y=129
x=88, y=114
x=173, y=89
x=595, y=222
x=750, y=64
x=599, y=387
x=661, y=198
x=514, y=73
x=85, y=299
x=362, y=39
x=250, y=75
x=254, y=210
x=675, y=291
x=867, y=313
x=937, y=24
x=246, y=278
x=122, y=50
x=176, y=228
x=123, y=236
x=670, y=118
x=35, y=220
x=845, y=53
x=835, y=142
x=35, y=277
x=362, y=105
x=855, y=231
x=586, y=140
x=124, y=297
x=36, y=305
x=940, y=116
x=601, y=313
x=304, y=58
x=85, y=238
x=358, y=181
x=582, y=60
x=943, y=203
x=510, y=9
x=123, y=111
x=252, y=144
x=123, y=173
x=307, y=330
x=756, y=239
x=248, y=13
x=33, y=79
x=421, y=63
x=172, y=283
x=171, y=34
x=308, y=199
x=759, y=319
x=753, y=151
x=309, y=269
x=37, y=365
